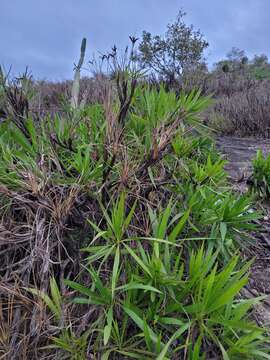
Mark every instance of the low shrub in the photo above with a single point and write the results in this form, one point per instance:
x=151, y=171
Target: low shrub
x=119, y=234
x=245, y=113
x=259, y=181
x=151, y=305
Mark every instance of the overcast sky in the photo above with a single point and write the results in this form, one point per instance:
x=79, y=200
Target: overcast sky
x=46, y=34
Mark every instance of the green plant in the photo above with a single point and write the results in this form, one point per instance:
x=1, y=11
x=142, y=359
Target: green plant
x=73, y=347
x=181, y=48
x=173, y=310
x=136, y=183
x=53, y=302
x=208, y=173
x=226, y=217
x=260, y=178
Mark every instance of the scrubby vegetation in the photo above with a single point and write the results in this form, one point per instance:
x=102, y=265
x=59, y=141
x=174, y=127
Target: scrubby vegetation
x=120, y=234
x=241, y=106
x=260, y=178
x=239, y=85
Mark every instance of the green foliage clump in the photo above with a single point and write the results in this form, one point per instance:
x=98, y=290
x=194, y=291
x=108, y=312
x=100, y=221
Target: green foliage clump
x=179, y=50
x=131, y=235
x=150, y=302
x=260, y=178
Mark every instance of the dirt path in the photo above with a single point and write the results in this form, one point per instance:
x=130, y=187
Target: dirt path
x=239, y=152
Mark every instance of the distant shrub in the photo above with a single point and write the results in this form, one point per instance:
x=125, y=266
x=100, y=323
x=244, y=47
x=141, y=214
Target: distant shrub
x=52, y=95
x=261, y=72
x=180, y=49
x=245, y=112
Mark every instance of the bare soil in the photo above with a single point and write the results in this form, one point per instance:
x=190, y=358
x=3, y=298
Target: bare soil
x=239, y=152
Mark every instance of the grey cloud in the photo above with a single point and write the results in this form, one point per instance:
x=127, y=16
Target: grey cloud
x=46, y=35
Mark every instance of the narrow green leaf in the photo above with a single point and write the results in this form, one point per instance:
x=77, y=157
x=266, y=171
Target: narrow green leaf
x=115, y=269
x=140, y=323
x=176, y=335
x=138, y=260
x=137, y=286
x=223, y=230
x=56, y=296
x=108, y=327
